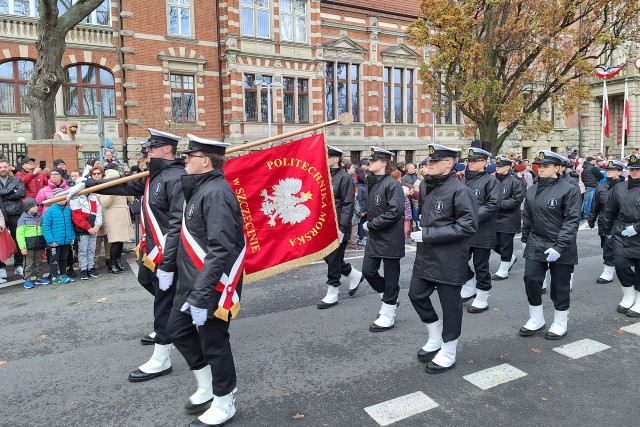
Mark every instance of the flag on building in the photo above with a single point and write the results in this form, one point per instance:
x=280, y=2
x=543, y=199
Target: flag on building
x=605, y=109
x=286, y=199
x=627, y=116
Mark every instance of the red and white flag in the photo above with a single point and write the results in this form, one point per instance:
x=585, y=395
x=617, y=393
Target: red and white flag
x=605, y=109
x=625, y=120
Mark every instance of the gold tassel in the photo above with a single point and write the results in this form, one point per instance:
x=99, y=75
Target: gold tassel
x=147, y=262
x=222, y=314
x=235, y=309
x=138, y=252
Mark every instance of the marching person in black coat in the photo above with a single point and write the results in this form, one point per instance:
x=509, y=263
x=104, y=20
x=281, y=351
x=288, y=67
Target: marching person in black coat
x=488, y=194
x=210, y=269
x=614, y=170
x=344, y=198
x=448, y=217
x=385, y=217
x=549, y=229
x=161, y=215
x=508, y=215
x=622, y=223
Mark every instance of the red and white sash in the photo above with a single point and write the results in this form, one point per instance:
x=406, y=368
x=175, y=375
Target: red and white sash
x=153, y=257
x=230, y=300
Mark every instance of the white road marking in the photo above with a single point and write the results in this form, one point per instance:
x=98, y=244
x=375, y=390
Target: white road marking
x=632, y=329
x=581, y=348
x=407, y=248
x=402, y=407
x=497, y=375
x=134, y=266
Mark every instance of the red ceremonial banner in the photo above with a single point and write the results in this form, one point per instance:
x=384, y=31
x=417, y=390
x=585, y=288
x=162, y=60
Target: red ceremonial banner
x=286, y=198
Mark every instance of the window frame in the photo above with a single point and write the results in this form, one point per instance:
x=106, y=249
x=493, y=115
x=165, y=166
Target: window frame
x=333, y=81
x=254, y=7
x=182, y=91
x=261, y=93
x=16, y=82
x=294, y=20
x=175, y=4
x=390, y=85
x=81, y=85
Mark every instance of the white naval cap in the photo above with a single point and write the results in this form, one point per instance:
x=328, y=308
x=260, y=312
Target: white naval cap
x=549, y=157
x=439, y=152
x=205, y=145
x=380, y=153
x=477, y=153
x=157, y=137
x=333, y=151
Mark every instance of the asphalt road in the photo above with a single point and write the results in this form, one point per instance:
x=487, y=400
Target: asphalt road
x=66, y=351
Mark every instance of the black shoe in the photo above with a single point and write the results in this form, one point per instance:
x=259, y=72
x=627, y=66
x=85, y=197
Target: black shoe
x=198, y=423
x=602, y=281
x=84, y=275
x=193, y=409
x=524, y=332
x=623, y=310
x=375, y=328
x=322, y=305
x=468, y=298
x=113, y=269
x=498, y=278
x=353, y=291
x=120, y=266
x=432, y=368
x=148, y=340
x=139, y=376
x=71, y=272
x=427, y=356
x=552, y=336
x=514, y=263
x=93, y=273
x=631, y=313
x=475, y=310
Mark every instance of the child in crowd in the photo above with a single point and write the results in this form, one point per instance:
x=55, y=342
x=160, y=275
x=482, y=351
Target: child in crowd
x=57, y=227
x=87, y=219
x=31, y=243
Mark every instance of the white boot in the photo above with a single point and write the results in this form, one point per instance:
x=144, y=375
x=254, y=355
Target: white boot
x=607, y=275
x=513, y=261
x=446, y=358
x=355, y=278
x=330, y=299
x=558, y=328
x=385, y=320
x=3, y=273
x=571, y=282
x=628, y=299
x=160, y=360
x=634, y=311
x=222, y=410
x=434, y=343
x=503, y=271
x=480, y=302
x=535, y=322
x=544, y=283
x=468, y=291
x=204, y=393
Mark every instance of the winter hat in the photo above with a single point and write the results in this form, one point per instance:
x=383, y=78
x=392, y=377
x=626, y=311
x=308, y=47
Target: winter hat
x=520, y=168
x=491, y=168
x=111, y=173
x=459, y=167
x=58, y=192
x=109, y=144
x=72, y=124
x=63, y=126
x=56, y=162
x=57, y=170
x=28, y=203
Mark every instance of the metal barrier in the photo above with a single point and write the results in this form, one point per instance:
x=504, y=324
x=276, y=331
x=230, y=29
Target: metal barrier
x=11, y=152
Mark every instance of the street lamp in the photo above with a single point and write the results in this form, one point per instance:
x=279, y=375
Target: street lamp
x=259, y=81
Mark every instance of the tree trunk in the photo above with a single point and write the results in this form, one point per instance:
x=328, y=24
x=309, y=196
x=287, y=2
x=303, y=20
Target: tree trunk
x=489, y=132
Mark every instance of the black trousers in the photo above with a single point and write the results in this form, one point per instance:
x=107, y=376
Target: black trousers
x=534, y=274
x=336, y=266
x=504, y=246
x=607, y=251
x=162, y=301
x=389, y=285
x=624, y=272
x=420, y=291
x=12, y=224
x=205, y=345
x=58, y=260
x=481, y=268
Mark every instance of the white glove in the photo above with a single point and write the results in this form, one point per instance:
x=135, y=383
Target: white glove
x=340, y=236
x=364, y=226
x=165, y=279
x=629, y=231
x=199, y=315
x=76, y=189
x=416, y=236
x=552, y=255
x=524, y=246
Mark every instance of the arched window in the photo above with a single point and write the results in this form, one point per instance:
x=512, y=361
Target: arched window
x=14, y=76
x=86, y=85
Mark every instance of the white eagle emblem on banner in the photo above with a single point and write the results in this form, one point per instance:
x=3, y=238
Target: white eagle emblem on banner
x=286, y=202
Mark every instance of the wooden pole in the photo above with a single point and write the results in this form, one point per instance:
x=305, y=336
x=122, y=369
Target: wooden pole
x=345, y=119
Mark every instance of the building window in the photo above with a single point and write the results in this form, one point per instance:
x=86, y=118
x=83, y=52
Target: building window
x=293, y=21
x=254, y=18
x=183, y=98
x=398, y=95
x=354, y=157
x=296, y=102
x=409, y=96
x=100, y=16
x=250, y=98
x=288, y=91
x=408, y=156
x=264, y=97
x=341, y=89
x=86, y=85
x=387, y=89
x=303, y=100
x=14, y=77
x=180, y=17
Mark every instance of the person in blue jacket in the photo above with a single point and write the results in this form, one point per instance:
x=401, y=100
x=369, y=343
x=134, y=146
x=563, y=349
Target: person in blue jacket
x=57, y=228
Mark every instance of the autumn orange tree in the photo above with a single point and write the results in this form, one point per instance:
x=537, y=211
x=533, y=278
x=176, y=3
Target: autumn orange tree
x=499, y=61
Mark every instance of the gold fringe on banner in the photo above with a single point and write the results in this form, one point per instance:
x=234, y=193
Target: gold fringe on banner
x=223, y=314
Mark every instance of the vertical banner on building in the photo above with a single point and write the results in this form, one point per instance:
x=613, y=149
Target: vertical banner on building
x=286, y=199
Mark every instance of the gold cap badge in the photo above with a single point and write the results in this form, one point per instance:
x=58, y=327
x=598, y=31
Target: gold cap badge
x=471, y=152
x=432, y=150
x=541, y=155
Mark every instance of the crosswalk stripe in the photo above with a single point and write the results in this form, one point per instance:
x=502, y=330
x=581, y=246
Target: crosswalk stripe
x=491, y=377
x=402, y=407
x=632, y=329
x=581, y=348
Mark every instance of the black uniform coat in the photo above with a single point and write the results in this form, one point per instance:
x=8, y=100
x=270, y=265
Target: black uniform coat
x=212, y=216
x=600, y=197
x=166, y=201
x=487, y=192
x=512, y=197
x=449, y=217
x=622, y=210
x=12, y=194
x=344, y=194
x=571, y=177
x=385, y=217
x=552, y=213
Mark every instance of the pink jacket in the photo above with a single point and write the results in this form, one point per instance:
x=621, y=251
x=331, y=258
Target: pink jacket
x=47, y=193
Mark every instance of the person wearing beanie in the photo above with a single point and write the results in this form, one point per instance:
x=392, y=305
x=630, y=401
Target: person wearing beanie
x=73, y=128
x=62, y=134
x=460, y=168
x=57, y=228
x=55, y=181
x=60, y=164
x=31, y=243
x=110, y=148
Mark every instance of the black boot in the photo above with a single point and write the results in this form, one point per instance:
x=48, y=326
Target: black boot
x=120, y=266
x=113, y=269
